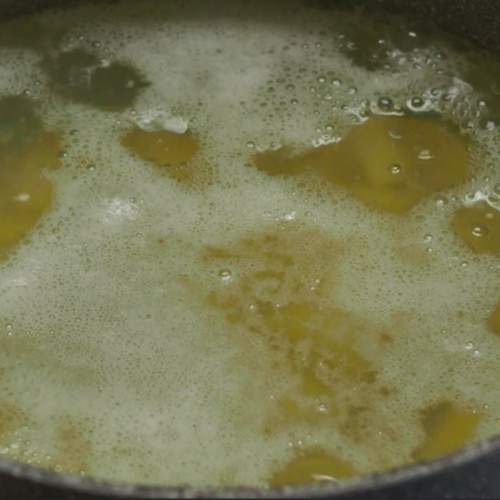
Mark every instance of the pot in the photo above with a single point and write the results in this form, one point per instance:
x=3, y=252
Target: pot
x=469, y=472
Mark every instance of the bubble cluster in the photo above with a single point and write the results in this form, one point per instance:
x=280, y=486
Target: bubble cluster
x=133, y=346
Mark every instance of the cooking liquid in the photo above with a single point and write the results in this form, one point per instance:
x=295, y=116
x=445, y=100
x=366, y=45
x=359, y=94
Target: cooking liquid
x=265, y=257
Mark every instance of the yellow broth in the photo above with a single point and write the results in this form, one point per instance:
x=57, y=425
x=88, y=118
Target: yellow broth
x=390, y=163
x=244, y=243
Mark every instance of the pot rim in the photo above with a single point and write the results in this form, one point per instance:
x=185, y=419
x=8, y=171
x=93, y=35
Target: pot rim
x=366, y=483
x=363, y=484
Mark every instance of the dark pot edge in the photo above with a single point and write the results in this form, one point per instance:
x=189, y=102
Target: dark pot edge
x=363, y=484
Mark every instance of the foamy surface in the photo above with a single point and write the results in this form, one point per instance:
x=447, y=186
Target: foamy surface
x=106, y=300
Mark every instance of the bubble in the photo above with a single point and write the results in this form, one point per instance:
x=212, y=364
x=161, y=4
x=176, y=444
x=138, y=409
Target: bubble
x=441, y=201
x=490, y=125
x=322, y=408
x=479, y=231
x=395, y=169
x=385, y=104
x=416, y=103
x=425, y=154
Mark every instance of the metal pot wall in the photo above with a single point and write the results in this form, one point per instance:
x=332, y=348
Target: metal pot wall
x=471, y=472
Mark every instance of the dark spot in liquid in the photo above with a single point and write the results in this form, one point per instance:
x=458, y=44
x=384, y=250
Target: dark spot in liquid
x=79, y=75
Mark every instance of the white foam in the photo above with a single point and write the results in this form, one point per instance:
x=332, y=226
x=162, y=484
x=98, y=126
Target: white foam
x=117, y=317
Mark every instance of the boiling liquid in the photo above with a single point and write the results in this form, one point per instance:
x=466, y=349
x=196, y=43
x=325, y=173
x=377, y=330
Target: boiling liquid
x=268, y=256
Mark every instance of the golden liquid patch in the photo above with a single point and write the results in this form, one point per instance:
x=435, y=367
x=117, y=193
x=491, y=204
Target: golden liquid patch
x=26, y=149
x=390, y=163
x=494, y=320
x=448, y=426
x=278, y=288
x=275, y=289
x=277, y=297
x=308, y=466
x=173, y=153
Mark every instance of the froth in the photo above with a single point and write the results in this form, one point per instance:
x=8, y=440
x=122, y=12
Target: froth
x=107, y=301
x=19, y=73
